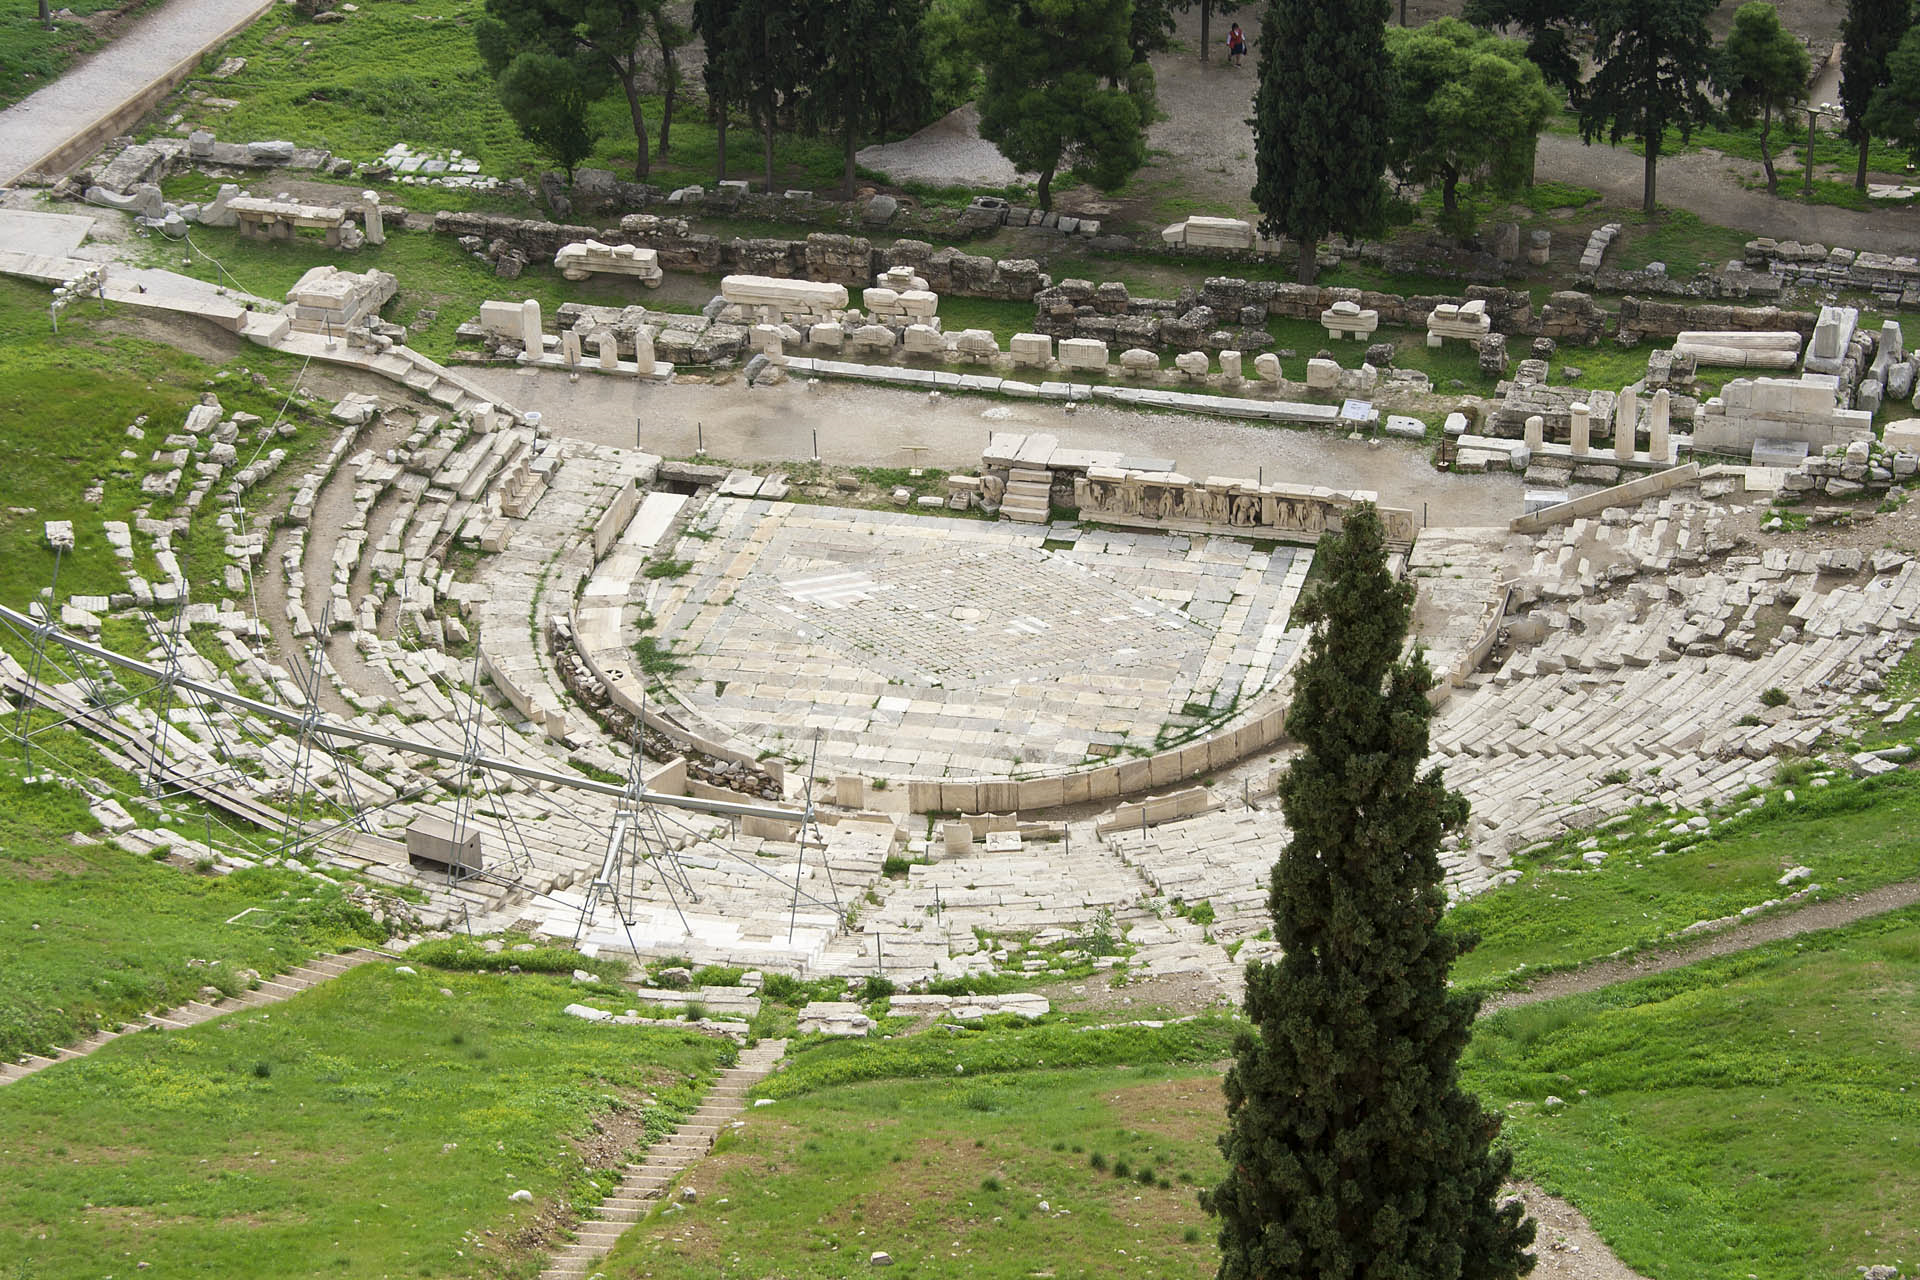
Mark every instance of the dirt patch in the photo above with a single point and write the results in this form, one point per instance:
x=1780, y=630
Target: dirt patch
x=1178, y=994
x=1176, y=1108
x=47, y=866
x=1567, y=1246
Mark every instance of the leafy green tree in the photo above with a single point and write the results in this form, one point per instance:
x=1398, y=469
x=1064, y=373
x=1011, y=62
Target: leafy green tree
x=1207, y=9
x=549, y=101
x=1895, y=111
x=870, y=68
x=1471, y=107
x=773, y=66
x=1320, y=116
x=1761, y=69
x=1654, y=56
x=1551, y=28
x=953, y=69
x=604, y=34
x=1869, y=34
x=1352, y=1151
x=1062, y=88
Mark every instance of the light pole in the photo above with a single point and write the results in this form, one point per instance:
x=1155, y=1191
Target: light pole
x=1829, y=111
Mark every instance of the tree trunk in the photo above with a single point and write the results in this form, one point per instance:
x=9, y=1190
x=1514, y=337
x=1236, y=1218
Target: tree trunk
x=1653, y=159
x=846, y=173
x=1309, y=260
x=1046, y=189
x=1450, y=197
x=46, y=15
x=1403, y=12
x=671, y=74
x=1206, y=13
x=720, y=138
x=1860, y=174
x=1766, y=155
x=629, y=81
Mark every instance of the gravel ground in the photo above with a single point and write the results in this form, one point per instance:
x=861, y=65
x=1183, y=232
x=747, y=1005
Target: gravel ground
x=145, y=51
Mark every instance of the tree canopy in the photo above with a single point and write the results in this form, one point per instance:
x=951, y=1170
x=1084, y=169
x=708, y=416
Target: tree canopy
x=1062, y=89
x=1352, y=1150
x=1320, y=119
x=868, y=68
x=1895, y=110
x=549, y=100
x=1470, y=108
x=1653, y=56
x=1550, y=27
x=1761, y=69
x=1870, y=32
x=606, y=35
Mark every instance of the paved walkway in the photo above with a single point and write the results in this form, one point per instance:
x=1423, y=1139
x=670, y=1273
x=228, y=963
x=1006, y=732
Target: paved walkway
x=145, y=51
x=270, y=991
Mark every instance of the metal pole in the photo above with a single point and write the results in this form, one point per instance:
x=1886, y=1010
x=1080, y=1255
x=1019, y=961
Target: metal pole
x=1806, y=165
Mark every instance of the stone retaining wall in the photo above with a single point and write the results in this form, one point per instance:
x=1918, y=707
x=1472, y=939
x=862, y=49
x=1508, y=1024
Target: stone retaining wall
x=1106, y=782
x=850, y=260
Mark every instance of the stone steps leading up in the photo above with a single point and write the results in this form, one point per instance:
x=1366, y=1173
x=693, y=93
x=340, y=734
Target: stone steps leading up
x=646, y=1182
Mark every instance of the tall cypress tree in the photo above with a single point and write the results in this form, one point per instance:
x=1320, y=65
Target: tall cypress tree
x=1352, y=1150
x=1869, y=34
x=1320, y=121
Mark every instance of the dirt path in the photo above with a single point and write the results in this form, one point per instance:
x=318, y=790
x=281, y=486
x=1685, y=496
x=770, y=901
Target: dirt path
x=1828, y=914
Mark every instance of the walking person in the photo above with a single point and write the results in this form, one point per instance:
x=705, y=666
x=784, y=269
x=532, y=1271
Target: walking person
x=1236, y=46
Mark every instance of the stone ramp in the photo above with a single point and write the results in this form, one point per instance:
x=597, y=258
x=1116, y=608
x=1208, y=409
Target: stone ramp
x=271, y=991
x=648, y=1181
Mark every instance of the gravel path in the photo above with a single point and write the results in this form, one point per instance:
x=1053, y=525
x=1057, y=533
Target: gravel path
x=145, y=51
x=1203, y=150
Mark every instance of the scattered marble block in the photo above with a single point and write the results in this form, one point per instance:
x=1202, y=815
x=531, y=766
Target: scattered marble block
x=1468, y=321
x=583, y=258
x=1347, y=320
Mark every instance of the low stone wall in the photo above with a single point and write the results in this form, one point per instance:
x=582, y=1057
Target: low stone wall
x=1632, y=493
x=1889, y=277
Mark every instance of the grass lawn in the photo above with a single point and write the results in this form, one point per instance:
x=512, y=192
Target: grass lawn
x=371, y=1126
x=1756, y=1115
x=65, y=405
x=1071, y=1173
x=91, y=935
x=411, y=73
x=1853, y=835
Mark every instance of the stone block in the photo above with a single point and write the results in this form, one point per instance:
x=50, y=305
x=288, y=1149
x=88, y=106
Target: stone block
x=1267, y=365
x=1031, y=350
x=1083, y=353
x=1323, y=375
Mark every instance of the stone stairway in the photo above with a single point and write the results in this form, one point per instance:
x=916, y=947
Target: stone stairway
x=1029, y=491
x=646, y=1182
x=270, y=991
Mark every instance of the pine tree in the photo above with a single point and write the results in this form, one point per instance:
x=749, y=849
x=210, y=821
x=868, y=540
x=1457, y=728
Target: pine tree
x=1320, y=121
x=1655, y=57
x=1352, y=1150
x=1869, y=34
